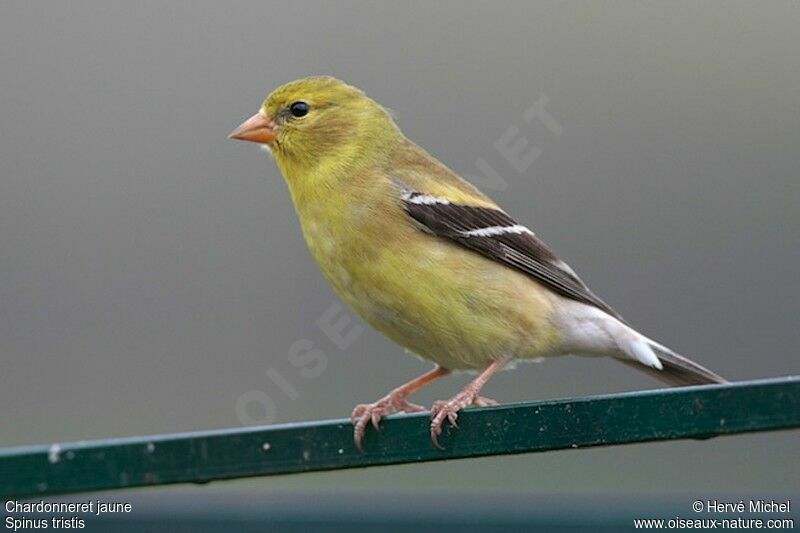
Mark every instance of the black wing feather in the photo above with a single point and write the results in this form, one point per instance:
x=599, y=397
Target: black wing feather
x=522, y=250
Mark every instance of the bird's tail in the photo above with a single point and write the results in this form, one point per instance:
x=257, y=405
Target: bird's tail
x=593, y=331
x=676, y=370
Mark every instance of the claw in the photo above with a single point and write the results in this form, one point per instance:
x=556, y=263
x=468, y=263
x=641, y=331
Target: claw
x=393, y=402
x=449, y=410
x=357, y=412
x=435, y=437
x=452, y=417
x=358, y=433
x=373, y=413
x=376, y=420
x=436, y=430
x=480, y=401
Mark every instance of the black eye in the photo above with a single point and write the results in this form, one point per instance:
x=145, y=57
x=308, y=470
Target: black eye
x=299, y=109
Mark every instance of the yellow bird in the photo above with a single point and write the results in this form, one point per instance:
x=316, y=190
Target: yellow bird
x=427, y=259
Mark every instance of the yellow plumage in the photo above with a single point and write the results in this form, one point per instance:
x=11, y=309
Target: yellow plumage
x=440, y=301
x=425, y=257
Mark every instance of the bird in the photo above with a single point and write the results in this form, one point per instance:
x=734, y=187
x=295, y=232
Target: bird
x=427, y=259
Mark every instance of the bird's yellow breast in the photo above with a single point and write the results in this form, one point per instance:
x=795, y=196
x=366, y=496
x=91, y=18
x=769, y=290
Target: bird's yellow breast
x=437, y=299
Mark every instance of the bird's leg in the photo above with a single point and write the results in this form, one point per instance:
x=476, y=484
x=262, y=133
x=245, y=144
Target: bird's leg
x=449, y=409
x=394, y=402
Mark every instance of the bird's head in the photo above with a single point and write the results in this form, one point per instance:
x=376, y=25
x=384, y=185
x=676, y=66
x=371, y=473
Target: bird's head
x=316, y=121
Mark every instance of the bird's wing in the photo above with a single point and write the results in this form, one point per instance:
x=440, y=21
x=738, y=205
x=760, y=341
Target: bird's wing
x=490, y=232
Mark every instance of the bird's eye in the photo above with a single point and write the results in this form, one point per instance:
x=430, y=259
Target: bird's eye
x=299, y=109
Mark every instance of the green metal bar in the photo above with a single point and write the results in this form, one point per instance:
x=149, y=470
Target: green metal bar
x=690, y=412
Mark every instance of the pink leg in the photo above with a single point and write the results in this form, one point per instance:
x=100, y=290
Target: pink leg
x=394, y=402
x=468, y=396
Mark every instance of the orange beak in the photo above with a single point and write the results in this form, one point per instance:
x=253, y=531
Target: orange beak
x=258, y=129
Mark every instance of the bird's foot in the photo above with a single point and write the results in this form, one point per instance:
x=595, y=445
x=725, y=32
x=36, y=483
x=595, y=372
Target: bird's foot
x=365, y=413
x=448, y=410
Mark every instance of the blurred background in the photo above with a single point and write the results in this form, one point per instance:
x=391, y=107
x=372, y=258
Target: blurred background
x=153, y=276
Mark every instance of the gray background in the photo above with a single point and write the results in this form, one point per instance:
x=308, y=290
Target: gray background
x=152, y=272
